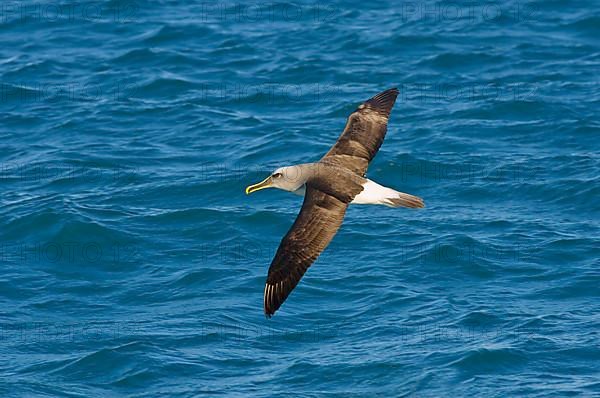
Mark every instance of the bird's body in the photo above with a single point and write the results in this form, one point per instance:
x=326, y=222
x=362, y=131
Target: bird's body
x=329, y=186
x=372, y=193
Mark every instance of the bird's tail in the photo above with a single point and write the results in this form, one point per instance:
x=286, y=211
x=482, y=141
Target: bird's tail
x=401, y=199
x=375, y=194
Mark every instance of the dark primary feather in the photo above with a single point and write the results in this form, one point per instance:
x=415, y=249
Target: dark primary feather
x=364, y=133
x=319, y=219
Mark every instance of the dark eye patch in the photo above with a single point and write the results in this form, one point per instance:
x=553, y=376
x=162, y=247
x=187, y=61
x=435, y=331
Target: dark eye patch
x=276, y=175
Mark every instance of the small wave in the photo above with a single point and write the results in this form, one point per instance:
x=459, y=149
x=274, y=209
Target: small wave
x=490, y=360
x=150, y=56
x=588, y=26
x=164, y=87
x=40, y=224
x=478, y=60
x=109, y=363
x=177, y=33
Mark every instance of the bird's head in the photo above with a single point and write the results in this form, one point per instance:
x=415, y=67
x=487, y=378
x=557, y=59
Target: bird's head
x=287, y=178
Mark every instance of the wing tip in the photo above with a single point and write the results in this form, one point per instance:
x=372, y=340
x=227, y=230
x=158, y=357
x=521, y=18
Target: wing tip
x=383, y=102
x=390, y=92
x=269, y=305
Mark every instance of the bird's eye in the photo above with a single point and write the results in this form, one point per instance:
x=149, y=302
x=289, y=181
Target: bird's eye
x=277, y=175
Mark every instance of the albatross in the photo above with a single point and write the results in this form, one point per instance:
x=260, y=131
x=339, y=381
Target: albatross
x=329, y=186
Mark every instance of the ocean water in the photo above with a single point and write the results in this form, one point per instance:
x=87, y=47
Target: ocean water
x=133, y=264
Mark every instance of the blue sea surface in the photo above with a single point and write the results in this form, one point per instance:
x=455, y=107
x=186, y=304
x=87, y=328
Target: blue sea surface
x=133, y=263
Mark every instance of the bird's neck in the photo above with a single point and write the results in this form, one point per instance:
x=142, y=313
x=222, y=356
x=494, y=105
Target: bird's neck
x=300, y=191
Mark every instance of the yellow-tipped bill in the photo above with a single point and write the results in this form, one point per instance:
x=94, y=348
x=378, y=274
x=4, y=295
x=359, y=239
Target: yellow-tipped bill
x=266, y=183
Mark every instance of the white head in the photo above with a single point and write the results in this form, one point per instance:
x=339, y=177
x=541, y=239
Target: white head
x=288, y=178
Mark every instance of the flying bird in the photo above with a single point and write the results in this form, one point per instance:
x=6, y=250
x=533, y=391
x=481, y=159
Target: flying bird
x=329, y=186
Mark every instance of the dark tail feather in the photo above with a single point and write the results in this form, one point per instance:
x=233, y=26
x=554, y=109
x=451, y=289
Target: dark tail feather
x=406, y=200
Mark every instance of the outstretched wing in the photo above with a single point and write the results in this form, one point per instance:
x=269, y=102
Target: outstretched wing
x=317, y=223
x=363, y=134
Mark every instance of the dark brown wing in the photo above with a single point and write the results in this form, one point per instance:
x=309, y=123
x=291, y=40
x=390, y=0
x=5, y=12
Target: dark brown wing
x=318, y=221
x=363, y=134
